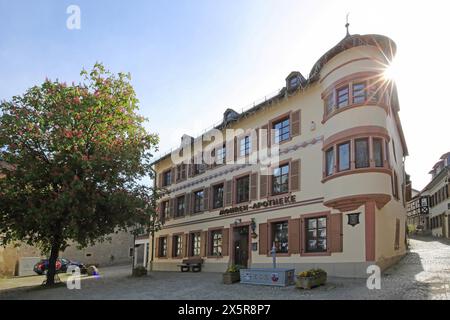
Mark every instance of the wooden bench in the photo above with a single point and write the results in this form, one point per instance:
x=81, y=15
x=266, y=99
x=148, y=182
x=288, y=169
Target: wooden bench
x=194, y=264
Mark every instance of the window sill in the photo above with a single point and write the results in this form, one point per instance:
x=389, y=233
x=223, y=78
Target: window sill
x=316, y=254
x=279, y=255
x=357, y=171
x=215, y=257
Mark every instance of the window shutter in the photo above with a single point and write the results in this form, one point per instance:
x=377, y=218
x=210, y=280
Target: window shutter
x=161, y=212
x=225, y=242
x=156, y=248
x=263, y=239
x=253, y=186
x=203, y=243
x=172, y=176
x=263, y=186
x=336, y=233
x=294, y=236
x=206, y=199
x=185, y=240
x=160, y=179
x=169, y=246
x=172, y=207
x=188, y=203
x=301, y=235
x=228, y=193
x=254, y=150
x=295, y=175
x=295, y=123
x=190, y=168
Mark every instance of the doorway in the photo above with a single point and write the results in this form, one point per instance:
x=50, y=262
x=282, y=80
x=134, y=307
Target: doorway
x=241, y=246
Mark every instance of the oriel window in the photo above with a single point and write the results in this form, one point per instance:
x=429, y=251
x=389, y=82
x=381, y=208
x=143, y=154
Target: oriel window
x=344, y=156
x=342, y=97
x=378, y=152
x=359, y=92
x=329, y=156
x=362, y=153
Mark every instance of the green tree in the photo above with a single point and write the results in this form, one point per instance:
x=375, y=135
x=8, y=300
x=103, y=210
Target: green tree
x=77, y=153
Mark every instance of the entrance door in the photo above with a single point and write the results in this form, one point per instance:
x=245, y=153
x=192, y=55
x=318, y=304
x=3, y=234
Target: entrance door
x=241, y=243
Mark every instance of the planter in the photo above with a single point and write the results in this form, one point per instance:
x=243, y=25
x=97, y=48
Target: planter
x=310, y=282
x=231, y=277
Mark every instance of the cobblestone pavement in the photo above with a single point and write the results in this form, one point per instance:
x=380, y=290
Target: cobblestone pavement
x=424, y=273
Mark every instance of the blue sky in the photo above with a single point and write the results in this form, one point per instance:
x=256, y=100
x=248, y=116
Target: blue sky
x=190, y=60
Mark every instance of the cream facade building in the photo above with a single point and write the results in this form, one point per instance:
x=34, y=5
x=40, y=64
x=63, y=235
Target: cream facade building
x=335, y=197
x=435, y=201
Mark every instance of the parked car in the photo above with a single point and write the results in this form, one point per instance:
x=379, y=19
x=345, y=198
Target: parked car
x=62, y=265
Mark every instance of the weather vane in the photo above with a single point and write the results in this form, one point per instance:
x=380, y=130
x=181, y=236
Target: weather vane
x=347, y=25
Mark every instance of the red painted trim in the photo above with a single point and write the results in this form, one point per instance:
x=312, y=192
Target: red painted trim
x=370, y=230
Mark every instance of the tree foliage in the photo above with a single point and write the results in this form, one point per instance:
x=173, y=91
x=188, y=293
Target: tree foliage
x=77, y=154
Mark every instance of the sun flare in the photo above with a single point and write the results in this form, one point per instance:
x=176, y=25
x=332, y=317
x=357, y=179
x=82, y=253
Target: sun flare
x=391, y=72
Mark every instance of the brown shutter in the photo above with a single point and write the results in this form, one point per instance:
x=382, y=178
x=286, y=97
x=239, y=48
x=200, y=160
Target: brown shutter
x=295, y=123
x=397, y=232
x=160, y=179
x=203, y=243
x=206, y=199
x=253, y=186
x=172, y=176
x=301, y=236
x=225, y=242
x=156, y=248
x=294, y=236
x=295, y=175
x=263, y=239
x=228, y=193
x=189, y=203
x=336, y=236
x=172, y=207
x=169, y=246
x=263, y=186
x=185, y=240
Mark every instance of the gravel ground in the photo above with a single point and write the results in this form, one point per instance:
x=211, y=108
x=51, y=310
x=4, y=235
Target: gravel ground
x=423, y=274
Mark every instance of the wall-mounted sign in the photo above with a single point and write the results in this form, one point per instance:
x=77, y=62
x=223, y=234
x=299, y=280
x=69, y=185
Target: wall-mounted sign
x=282, y=201
x=254, y=246
x=353, y=219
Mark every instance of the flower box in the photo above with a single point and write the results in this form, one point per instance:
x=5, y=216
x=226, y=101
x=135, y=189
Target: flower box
x=311, y=279
x=231, y=277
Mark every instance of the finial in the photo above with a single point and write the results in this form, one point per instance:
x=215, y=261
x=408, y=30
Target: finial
x=347, y=25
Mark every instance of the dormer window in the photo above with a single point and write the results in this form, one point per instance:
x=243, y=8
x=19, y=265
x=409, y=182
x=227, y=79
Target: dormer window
x=294, y=81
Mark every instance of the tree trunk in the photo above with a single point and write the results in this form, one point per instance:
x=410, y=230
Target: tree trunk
x=51, y=272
